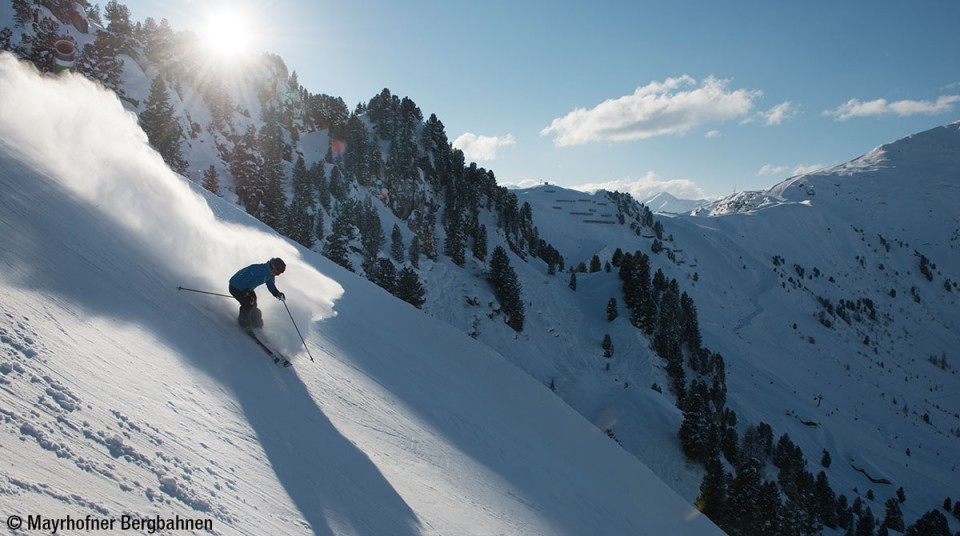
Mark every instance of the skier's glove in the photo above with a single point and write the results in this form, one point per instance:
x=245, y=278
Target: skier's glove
x=281, y=296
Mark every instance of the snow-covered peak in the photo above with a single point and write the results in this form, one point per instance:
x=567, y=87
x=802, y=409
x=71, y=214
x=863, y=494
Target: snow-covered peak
x=663, y=202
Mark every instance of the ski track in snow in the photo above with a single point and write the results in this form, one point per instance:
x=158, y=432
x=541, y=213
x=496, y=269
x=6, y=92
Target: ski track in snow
x=60, y=423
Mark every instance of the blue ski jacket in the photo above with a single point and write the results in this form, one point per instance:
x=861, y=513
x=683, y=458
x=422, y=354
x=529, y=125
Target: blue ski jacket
x=253, y=276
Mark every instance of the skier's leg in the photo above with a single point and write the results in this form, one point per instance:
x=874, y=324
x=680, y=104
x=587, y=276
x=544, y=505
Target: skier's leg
x=248, y=302
x=252, y=313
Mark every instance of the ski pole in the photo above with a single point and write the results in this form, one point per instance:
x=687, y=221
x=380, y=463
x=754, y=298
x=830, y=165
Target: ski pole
x=204, y=292
x=284, y=302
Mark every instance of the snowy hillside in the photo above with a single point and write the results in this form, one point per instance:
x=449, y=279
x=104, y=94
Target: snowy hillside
x=122, y=396
x=833, y=298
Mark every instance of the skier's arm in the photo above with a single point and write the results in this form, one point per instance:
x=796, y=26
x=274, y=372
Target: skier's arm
x=272, y=287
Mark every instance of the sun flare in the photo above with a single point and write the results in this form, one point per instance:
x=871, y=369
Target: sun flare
x=228, y=34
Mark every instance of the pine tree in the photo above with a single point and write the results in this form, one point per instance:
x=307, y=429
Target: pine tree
x=743, y=516
x=825, y=501
x=617, y=257
x=658, y=230
x=893, y=518
x=506, y=288
x=607, y=346
x=159, y=45
x=162, y=127
x=413, y=252
x=39, y=46
x=573, y=281
x=338, y=185
x=119, y=27
x=397, y=249
x=318, y=176
x=866, y=524
x=383, y=273
x=22, y=12
x=612, y=312
x=272, y=209
x=712, y=500
x=211, y=180
x=454, y=245
x=480, y=243
x=362, y=161
x=698, y=432
x=409, y=288
x=844, y=513
x=318, y=226
x=690, y=325
x=769, y=510
x=932, y=523
x=337, y=246
x=99, y=62
x=245, y=163
x=666, y=340
x=300, y=225
x=371, y=231
x=594, y=264
x=302, y=183
x=329, y=113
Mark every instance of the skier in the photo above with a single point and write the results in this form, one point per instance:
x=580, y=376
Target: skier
x=244, y=281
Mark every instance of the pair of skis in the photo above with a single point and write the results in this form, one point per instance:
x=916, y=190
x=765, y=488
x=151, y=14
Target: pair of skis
x=277, y=358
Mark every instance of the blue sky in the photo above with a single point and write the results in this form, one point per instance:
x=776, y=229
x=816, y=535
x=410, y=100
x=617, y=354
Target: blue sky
x=694, y=98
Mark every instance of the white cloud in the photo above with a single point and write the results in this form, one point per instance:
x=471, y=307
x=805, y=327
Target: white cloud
x=856, y=108
x=648, y=186
x=774, y=116
x=809, y=168
x=779, y=113
x=657, y=109
x=476, y=147
x=713, y=134
x=770, y=169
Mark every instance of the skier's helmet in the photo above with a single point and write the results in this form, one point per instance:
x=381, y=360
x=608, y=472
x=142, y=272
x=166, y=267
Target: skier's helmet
x=277, y=265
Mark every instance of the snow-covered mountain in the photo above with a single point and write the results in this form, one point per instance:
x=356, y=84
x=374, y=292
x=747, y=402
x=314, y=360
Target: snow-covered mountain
x=831, y=298
x=122, y=396
x=663, y=202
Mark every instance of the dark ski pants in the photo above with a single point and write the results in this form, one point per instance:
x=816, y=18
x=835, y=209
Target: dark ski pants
x=249, y=313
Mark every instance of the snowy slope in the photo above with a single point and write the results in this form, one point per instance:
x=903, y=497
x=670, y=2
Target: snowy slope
x=863, y=387
x=866, y=388
x=121, y=395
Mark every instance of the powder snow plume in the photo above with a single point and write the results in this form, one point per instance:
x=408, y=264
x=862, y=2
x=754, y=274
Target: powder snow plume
x=81, y=137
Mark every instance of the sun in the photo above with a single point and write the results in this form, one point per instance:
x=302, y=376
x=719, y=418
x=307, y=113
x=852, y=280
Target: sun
x=228, y=34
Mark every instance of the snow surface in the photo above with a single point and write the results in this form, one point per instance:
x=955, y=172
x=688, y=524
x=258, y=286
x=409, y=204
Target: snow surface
x=120, y=394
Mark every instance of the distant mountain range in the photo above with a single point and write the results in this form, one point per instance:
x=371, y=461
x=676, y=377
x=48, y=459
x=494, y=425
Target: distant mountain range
x=666, y=203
